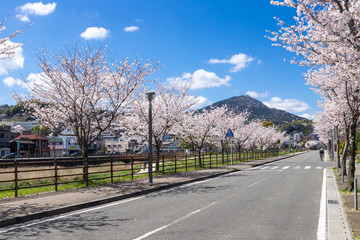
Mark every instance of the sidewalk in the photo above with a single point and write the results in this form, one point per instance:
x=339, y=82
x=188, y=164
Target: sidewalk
x=338, y=226
x=23, y=209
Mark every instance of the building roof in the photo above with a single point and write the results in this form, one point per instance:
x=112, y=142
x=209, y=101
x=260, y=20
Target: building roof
x=31, y=137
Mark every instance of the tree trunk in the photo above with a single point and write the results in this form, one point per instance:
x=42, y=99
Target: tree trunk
x=351, y=170
x=338, y=148
x=200, y=164
x=222, y=155
x=345, y=150
x=85, y=156
x=157, y=167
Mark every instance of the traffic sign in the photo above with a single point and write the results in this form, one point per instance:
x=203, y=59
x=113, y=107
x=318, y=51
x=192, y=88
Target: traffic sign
x=229, y=133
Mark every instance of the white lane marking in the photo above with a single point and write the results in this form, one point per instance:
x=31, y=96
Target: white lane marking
x=286, y=167
x=174, y=222
x=275, y=167
x=256, y=182
x=307, y=167
x=68, y=215
x=264, y=167
x=297, y=167
x=322, y=214
x=318, y=167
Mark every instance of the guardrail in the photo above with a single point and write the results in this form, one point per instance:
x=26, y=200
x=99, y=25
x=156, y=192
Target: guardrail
x=22, y=174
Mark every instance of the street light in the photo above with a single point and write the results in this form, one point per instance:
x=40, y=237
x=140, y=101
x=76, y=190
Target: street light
x=150, y=96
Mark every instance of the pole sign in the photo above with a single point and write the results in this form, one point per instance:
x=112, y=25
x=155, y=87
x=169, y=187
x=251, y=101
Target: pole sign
x=230, y=133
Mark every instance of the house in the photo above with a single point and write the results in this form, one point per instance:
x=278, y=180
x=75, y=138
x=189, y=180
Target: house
x=56, y=146
x=30, y=146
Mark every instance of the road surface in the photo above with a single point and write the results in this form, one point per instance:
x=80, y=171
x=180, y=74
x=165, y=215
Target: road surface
x=280, y=200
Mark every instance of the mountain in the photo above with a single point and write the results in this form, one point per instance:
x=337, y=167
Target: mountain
x=257, y=110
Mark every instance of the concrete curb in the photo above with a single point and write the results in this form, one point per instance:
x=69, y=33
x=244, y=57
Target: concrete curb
x=338, y=226
x=75, y=207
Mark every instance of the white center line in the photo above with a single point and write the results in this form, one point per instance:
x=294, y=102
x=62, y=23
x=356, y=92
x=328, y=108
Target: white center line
x=286, y=167
x=174, y=222
x=297, y=167
x=307, y=167
x=275, y=167
x=264, y=168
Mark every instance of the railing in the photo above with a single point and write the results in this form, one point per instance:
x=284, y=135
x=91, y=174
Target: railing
x=21, y=174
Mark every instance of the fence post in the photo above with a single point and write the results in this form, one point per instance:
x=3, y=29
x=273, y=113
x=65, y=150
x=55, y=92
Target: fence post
x=16, y=177
x=163, y=164
x=217, y=159
x=175, y=163
x=132, y=168
x=186, y=162
x=355, y=194
x=87, y=171
x=56, y=175
x=112, y=169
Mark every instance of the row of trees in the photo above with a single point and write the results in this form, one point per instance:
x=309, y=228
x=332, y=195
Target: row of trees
x=81, y=89
x=326, y=37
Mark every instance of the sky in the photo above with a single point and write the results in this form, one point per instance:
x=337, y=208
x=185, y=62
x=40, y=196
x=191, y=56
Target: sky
x=218, y=46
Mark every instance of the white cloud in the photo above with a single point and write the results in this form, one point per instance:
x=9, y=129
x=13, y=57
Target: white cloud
x=289, y=105
x=239, y=60
x=254, y=94
x=10, y=82
x=201, y=102
x=13, y=63
x=131, y=29
x=308, y=116
x=37, y=8
x=31, y=80
x=95, y=33
x=200, y=79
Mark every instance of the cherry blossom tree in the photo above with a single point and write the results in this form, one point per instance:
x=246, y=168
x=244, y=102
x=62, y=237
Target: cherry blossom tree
x=198, y=128
x=170, y=103
x=82, y=90
x=243, y=134
x=230, y=120
x=7, y=48
x=326, y=36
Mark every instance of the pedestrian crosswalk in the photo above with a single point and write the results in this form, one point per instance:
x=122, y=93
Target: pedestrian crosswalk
x=287, y=167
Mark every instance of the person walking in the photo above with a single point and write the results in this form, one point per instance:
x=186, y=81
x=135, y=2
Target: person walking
x=321, y=154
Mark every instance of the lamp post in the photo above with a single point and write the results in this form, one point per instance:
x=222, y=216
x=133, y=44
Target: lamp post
x=150, y=96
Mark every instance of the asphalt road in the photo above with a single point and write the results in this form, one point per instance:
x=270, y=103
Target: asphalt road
x=280, y=200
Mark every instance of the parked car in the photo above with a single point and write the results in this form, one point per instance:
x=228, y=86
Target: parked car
x=75, y=154
x=11, y=156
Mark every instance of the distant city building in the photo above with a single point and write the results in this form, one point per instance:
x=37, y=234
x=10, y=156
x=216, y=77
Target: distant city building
x=313, y=136
x=5, y=137
x=121, y=145
x=27, y=126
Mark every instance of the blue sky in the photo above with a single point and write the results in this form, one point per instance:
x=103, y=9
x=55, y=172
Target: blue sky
x=217, y=46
